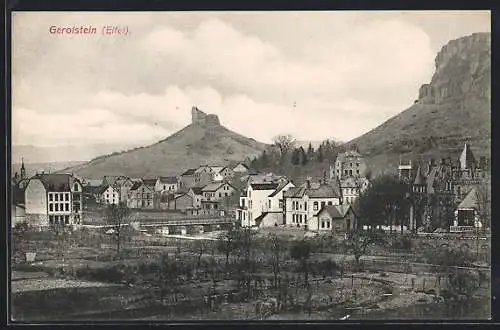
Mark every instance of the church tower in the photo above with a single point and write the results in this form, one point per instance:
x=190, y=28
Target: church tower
x=23, y=170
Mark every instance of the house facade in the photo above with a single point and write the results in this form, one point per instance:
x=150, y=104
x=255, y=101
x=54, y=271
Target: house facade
x=166, y=184
x=141, y=196
x=109, y=195
x=217, y=191
x=337, y=219
x=349, y=164
x=352, y=187
x=52, y=199
x=303, y=203
x=253, y=202
x=181, y=202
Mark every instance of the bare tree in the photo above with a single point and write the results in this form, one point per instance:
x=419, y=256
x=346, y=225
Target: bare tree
x=116, y=216
x=358, y=242
x=285, y=143
x=301, y=251
x=277, y=248
x=227, y=243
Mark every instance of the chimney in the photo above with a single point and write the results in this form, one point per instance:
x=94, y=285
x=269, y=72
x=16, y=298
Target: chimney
x=308, y=183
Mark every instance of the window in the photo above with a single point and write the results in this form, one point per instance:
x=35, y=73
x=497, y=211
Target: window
x=269, y=203
x=66, y=219
x=322, y=224
x=51, y=219
x=305, y=206
x=345, y=171
x=57, y=207
x=66, y=207
x=67, y=197
x=56, y=197
x=62, y=196
x=328, y=224
x=51, y=207
x=357, y=171
x=357, y=164
x=323, y=204
x=164, y=187
x=315, y=206
x=305, y=218
x=220, y=195
x=75, y=187
x=107, y=195
x=300, y=218
x=50, y=197
x=350, y=172
x=350, y=164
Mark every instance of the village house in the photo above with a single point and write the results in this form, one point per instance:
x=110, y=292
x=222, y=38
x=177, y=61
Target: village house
x=196, y=194
x=349, y=164
x=141, y=195
x=109, y=195
x=337, y=219
x=217, y=190
x=195, y=177
x=181, y=202
x=303, y=203
x=253, y=201
x=123, y=186
x=352, y=187
x=53, y=199
x=467, y=216
x=166, y=184
x=272, y=211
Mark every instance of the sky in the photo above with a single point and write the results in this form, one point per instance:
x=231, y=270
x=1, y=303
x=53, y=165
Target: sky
x=314, y=75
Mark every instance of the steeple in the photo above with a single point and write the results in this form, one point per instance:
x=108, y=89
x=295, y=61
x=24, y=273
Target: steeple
x=419, y=183
x=467, y=159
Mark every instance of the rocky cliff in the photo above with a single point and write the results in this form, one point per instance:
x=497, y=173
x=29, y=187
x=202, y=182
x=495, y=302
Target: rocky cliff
x=453, y=108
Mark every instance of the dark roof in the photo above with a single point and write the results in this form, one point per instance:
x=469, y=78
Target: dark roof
x=197, y=190
x=279, y=188
x=136, y=185
x=104, y=188
x=56, y=182
x=191, y=171
x=168, y=179
x=149, y=182
x=315, y=191
x=336, y=211
x=264, y=186
x=183, y=195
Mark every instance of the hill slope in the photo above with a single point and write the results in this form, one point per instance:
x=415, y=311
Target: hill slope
x=454, y=108
x=204, y=141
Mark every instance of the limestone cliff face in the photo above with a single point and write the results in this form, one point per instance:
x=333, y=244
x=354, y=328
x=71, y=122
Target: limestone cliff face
x=199, y=118
x=463, y=69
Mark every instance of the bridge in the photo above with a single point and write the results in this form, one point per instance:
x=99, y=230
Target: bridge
x=192, y=221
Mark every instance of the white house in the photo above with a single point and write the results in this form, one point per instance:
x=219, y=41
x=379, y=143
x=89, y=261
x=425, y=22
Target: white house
x=53, y=199
x=166, y=184
x=351, y=188
x=109, y=195
x=303, y=203
x=253, y=202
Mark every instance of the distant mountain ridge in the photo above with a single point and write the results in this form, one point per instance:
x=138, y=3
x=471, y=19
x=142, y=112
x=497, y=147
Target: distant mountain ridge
x=454, y=108
x=204, y=141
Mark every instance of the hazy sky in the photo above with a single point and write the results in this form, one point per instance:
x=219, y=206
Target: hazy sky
x=311, y=74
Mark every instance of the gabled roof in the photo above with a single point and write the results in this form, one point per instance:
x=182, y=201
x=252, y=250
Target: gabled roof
x=280, y=187
x=264, y=186
x=183, y=195
x=316, y=190
x=216, y=169
x=104, y=188
x=467, y=157
x=56, y=182
x=470, y=201
x=168, y=179
x=336, y=211
x=149, y=182
x=242, y=164
x=197, y=190
x=190, y=171
x=136, y=185
x=216, y=185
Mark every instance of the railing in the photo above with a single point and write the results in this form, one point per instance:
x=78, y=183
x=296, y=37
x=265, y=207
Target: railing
x=461, y=229
x=182, y=222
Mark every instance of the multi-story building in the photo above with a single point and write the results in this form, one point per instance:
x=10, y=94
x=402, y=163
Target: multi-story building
x=166, y=184
x=303, y=203
x=141, y=195
x=349, y=164
x=253, y=202
x=109, y=195
x=53, y=199
x=352, y=187
x=217, y=191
